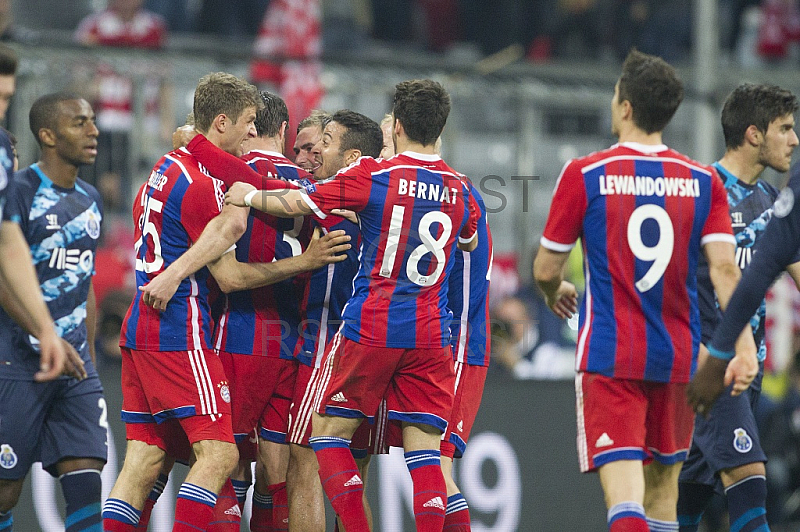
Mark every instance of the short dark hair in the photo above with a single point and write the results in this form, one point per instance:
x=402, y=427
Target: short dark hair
x=222, y=93
x=652, y=87
x=269, y=119
x=362, y=133
x=44, y=111
x=422, y=106
x=754, y=105
x=8, y=61
x=318, y=117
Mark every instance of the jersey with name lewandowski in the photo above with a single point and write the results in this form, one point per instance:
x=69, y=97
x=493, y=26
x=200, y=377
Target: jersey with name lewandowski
x=169, y=213
x=412, y=209
x=642, y=214
x=265, y=321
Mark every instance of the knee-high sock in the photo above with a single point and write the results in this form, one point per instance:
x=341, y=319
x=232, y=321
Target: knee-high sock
x=194, y=508
x=82, y=493
x=430, y=491
x=456, y=517
x=119, y=516
x=746, y=504
x=227, y=514
x=627, y=517
x=152, y=499
x=341, y=481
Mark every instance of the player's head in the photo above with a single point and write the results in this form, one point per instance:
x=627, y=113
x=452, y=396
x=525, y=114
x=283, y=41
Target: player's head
x=8, y=77
x=421, y=106
x=225, y=110
x=761, y=116
x=273, y=118
x=64, y=126
x=309, y=133
x=348, y=136
x=652, y=90
x=388, y=142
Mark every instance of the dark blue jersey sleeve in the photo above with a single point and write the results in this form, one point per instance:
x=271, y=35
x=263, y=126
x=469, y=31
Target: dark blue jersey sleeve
x=776, y=249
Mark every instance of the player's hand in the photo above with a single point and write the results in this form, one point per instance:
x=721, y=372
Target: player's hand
x=73, y=363
x=235, y=195
x=347, y=214
x=564, y=303
x=51, y=357
x=324, y=250
x=183, y=136
x=160, y=290
x=707, y=384
x=741, y=371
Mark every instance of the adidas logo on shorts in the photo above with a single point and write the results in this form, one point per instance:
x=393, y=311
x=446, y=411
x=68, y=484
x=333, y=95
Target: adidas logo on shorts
x=339, y=398
x=604, y=441
x=354, y=481
x=436, y=502
x=234, y=510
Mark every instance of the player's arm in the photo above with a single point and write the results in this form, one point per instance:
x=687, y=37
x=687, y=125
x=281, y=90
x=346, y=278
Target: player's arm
x=219, y=235
x=91, y=321
x=548, y=271
x=282, y=203
x=714, y=373
x=233, y=276
x=231, y=169
x=23, y=300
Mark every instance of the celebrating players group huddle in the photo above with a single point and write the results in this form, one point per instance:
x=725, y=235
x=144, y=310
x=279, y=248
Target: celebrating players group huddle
x=305, y=315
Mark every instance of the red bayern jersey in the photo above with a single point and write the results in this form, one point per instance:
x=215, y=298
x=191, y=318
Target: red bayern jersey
x=266, y=320
x=412, y=209
x=170, y=212
x=642, y=213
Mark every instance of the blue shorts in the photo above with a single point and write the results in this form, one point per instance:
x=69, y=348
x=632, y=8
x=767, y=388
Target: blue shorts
x=48, y=422
x=727, y=438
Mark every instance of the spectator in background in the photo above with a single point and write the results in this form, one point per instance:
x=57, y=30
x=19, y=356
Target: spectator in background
x=286, y=56
x=176, y=13
x=125, y=23
x=11, y=32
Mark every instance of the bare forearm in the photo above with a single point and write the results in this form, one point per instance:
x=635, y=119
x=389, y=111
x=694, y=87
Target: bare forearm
x=217, y=238
x=21, y=296
x=724, y=277
x=247, y=276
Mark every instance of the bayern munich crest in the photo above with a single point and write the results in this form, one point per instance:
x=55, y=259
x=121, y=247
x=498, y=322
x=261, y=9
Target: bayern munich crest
x=742, y=441
x=8, y=458
x=224, y=391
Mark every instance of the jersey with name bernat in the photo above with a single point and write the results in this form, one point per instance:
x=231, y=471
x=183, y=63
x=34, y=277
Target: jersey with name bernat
x=62, y=227
x=642, y=213
x=265, y=321
x=169, y=213
x=468, y=295
x=412, y=209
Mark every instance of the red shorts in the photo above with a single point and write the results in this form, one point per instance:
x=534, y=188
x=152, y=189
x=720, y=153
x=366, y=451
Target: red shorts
x=189, y=386
x=261, y=390
x=622, y=419
x=302, y=405
x=417, y=383
x=469, y=390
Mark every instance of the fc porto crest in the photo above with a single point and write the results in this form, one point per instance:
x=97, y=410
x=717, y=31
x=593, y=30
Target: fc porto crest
x=224, y=391
x=8, y=458
x=742, y=441
x=93, y=226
